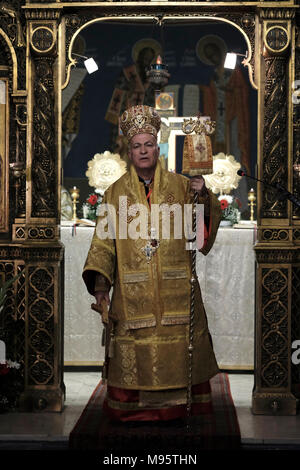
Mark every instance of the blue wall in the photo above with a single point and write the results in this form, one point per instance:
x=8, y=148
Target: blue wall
x=111, y=46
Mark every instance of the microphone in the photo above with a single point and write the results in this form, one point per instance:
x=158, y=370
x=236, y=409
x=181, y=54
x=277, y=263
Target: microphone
x=243, y=173
x=275, y=186
x=284, y=193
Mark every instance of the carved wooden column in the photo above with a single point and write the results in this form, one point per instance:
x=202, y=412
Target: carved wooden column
x=296, y=211
x=277, y=252
x=42, y=251
x=12, y=182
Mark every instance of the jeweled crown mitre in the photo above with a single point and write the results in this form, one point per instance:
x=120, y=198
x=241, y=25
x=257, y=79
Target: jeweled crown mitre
x=140, y=119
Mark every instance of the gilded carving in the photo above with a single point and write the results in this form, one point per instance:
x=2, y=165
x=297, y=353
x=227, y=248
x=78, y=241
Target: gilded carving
x=41, y=233
x=36, y=298
x=40, y=330
x=274, y=281
x=14, y=26
x=296, y=234
x=41, y=311
x=45, y=254
x=275, y=234
x=12, y=23
x=245, y=22
x=40, y=372
x=44, y=179
x=274, y=375
x=21, y=114
x=274, y=329
x=12, y=326
x=277, y=13
x=42, y=39
x=296, y=132
x=277, y=256
x=20, y=155
x=275, y=136
x=276, y=39
x=295, y=323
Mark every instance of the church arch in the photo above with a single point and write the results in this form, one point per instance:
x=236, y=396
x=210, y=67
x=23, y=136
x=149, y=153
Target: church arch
x=34, y=227
x=6, y=45
x=246, y=28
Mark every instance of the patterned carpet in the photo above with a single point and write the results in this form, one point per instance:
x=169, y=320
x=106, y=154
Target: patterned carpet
x=219, y=430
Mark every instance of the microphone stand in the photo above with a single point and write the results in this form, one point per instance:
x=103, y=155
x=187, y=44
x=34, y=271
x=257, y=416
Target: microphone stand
x=284, y=193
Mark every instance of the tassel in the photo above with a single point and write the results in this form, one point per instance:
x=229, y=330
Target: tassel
x=104, y=372
x=111, y=346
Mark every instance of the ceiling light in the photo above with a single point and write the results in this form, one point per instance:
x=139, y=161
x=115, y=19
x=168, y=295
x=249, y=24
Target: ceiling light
x=89, y=63
x=231, y=58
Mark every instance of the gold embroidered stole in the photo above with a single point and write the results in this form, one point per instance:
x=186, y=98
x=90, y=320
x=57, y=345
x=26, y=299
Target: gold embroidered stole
x=159, y=288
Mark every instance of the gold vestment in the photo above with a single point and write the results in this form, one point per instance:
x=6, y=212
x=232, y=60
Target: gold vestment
x=150, y=303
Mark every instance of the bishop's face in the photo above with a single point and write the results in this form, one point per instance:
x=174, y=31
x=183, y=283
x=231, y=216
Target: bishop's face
x=144, y=153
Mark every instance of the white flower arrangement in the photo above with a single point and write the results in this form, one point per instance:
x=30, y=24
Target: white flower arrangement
x=230, y=208
x=12, y=364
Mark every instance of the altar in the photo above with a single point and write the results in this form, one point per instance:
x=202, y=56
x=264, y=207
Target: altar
x=226, y=277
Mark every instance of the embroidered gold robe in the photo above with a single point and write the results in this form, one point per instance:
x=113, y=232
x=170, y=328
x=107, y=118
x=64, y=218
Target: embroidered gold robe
x=150, y=303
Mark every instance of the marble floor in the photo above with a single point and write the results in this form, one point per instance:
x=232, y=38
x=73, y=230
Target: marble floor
x=33, y=430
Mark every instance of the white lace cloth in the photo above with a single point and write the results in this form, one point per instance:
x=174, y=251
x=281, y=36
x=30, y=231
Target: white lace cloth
x=83, y=326
x=226, y=277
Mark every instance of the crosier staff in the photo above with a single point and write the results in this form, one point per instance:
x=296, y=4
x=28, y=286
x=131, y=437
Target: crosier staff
x=197, y=161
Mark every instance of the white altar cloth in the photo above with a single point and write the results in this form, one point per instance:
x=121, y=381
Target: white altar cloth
x=227, y=281
x=83, y=326
x=226, y=277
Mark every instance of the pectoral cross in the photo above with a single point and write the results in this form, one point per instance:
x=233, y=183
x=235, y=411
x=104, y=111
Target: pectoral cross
x=151, y=246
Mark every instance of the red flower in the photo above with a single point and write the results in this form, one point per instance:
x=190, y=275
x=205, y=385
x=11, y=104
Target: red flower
x=93, y=199
x=4, y=369
x=224, y=204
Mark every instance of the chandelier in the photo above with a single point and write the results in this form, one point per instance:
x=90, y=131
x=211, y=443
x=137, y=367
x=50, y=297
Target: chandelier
x=158, y=74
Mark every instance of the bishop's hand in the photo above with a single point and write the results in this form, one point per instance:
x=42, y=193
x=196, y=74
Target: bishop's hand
x=197, y=184
x=101, y=305
x=101, y=296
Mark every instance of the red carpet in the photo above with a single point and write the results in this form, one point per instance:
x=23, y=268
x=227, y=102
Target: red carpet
x=219, y=430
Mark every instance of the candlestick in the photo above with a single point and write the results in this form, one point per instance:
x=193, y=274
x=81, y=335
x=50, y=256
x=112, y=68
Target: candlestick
x=251, y=199
x=75, y=196
x=18, y=170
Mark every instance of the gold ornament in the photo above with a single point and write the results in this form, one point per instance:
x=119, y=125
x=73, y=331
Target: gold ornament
x=251, y=199
x=104, y=169
x=140, y=119
x=75, y=199
x=199, y=126
x=224, y=177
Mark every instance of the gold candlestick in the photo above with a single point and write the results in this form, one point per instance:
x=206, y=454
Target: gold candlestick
x=251, y=199
x=18, y=170
x=75, y=199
